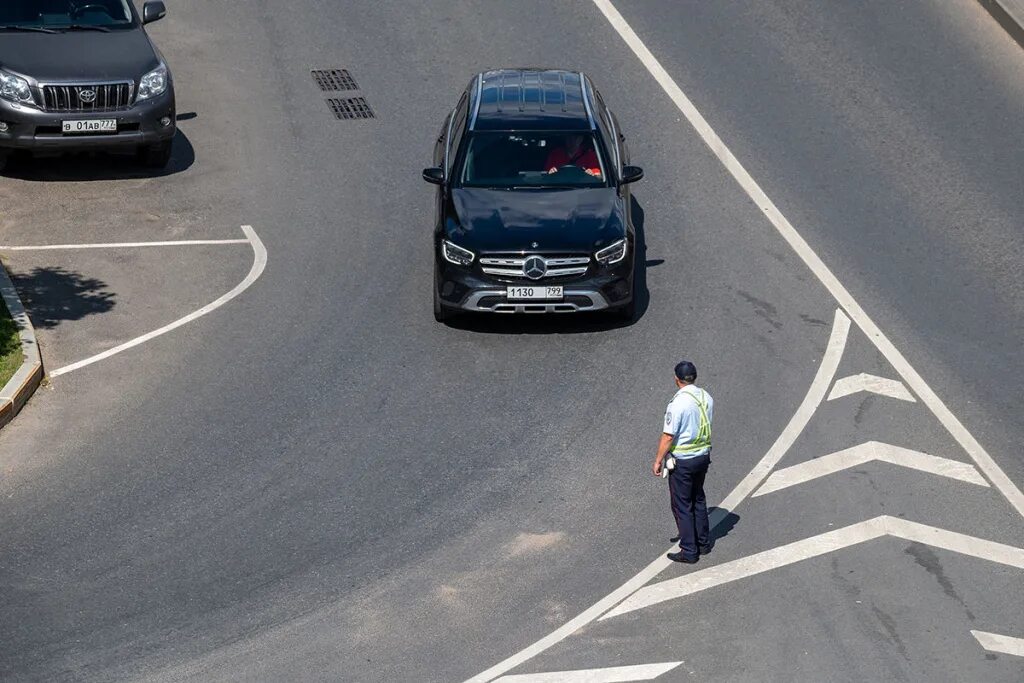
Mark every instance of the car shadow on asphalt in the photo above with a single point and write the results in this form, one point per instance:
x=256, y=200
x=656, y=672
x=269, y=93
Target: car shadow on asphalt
x=99, y=165
x=54, y=295
x=571, y=323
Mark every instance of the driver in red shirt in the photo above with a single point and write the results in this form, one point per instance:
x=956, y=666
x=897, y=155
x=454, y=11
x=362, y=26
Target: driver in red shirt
x=575, y=152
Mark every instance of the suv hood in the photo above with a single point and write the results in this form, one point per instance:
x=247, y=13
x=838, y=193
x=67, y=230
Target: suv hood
x=578, y=220
x=121, y=54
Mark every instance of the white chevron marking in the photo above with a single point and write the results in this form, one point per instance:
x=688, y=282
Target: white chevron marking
x=614, y=674
x=866, y=452
x=993, y=642
x=872, y=383
x=816, y=546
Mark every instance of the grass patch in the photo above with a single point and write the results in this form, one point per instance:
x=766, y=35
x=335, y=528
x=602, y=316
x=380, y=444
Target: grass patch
x=11, y=357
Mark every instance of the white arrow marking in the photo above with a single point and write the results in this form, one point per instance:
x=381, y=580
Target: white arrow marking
x=614, y=674
x=993, y=642
x=873, y=383
x=816, y=546
x=866, y=452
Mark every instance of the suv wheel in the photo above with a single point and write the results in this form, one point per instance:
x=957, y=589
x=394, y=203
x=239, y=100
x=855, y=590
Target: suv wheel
x=156, y=156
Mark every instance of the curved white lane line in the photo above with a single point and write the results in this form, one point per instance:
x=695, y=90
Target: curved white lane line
x=258, y=264
x=815, y=394
x=956, y=429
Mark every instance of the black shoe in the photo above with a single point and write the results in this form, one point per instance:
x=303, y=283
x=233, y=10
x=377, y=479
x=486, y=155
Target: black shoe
x=705, y=549
x=679, y=557
x=674, y=539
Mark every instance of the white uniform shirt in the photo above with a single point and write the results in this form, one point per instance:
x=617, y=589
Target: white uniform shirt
x=682, y=417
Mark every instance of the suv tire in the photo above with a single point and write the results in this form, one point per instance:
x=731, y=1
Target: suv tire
x=155, y=156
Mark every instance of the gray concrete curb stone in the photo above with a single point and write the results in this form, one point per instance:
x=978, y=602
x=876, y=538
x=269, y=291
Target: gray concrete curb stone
x=30, y=374
x=1009, y=14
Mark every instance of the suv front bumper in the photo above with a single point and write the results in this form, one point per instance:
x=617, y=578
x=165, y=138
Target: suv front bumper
x=39, y=131
x=466, y=289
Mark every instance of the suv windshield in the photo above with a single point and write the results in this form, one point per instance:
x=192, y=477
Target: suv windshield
x=532, y=159
x=62, y=14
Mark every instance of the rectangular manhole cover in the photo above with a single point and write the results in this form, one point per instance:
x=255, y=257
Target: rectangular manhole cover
x=334, y=79
x=350, y=108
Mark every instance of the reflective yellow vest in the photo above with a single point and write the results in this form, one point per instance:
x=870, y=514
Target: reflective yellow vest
x=703, y=439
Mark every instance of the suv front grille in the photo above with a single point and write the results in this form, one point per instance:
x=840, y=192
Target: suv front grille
x=516, y=265
x=87, y=98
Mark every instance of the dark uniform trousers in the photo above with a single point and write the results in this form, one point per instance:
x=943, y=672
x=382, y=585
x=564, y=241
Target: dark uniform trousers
x=690, y=507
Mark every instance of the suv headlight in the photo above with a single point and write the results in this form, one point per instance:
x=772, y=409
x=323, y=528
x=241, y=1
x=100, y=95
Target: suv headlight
x=453, y=253
x=152, y=84
x=613, y=253
x=14, y=88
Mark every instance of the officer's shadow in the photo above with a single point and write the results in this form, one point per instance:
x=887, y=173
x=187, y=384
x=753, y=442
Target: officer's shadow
x=722, y=529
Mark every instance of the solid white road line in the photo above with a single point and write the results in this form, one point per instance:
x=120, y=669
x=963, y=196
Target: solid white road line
x=993, y=642
x=258, y=264
x=873, y=384
x=866, y=452
x=613, y=674
x=815, y=394
x=916, y=383
x=816, y=546
x=121, y=245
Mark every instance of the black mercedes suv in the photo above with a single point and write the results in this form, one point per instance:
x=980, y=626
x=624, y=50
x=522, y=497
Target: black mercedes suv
x=533, y=205
x=83, y=75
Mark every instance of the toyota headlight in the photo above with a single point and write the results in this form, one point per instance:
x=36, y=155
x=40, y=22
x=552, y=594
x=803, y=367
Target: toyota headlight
x=152, y=84
x=613, y=253
x=14, y=88
x=453, y=253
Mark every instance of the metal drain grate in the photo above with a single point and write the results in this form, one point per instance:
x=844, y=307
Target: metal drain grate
x=350, y=108
x=334, y=79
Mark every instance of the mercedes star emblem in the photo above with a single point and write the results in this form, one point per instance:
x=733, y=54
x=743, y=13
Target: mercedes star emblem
x=535, y=267
x=87, y=95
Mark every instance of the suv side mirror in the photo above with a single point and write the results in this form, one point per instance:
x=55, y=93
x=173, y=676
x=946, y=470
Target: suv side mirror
x=631, y=174
x=151, y=11
x=434, y=175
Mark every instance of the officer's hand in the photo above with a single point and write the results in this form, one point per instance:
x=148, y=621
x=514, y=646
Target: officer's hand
x=656, y=468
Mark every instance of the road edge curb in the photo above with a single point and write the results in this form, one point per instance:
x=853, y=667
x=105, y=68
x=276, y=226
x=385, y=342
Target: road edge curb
x=1009, y=14
x=27, y=378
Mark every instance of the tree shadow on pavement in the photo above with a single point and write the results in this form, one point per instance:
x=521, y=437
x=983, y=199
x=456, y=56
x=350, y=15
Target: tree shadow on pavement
x=54, y=295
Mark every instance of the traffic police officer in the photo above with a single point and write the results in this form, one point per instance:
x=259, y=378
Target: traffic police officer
x=687, y=436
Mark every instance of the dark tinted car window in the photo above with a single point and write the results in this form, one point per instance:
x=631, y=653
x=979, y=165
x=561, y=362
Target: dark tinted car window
x=533, y=159
x=58, y=13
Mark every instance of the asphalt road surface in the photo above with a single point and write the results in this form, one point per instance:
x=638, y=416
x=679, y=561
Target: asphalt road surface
x=317, y=482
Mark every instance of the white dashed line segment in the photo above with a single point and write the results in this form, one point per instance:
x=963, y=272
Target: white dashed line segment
x=994, y=642
x=613, y=674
